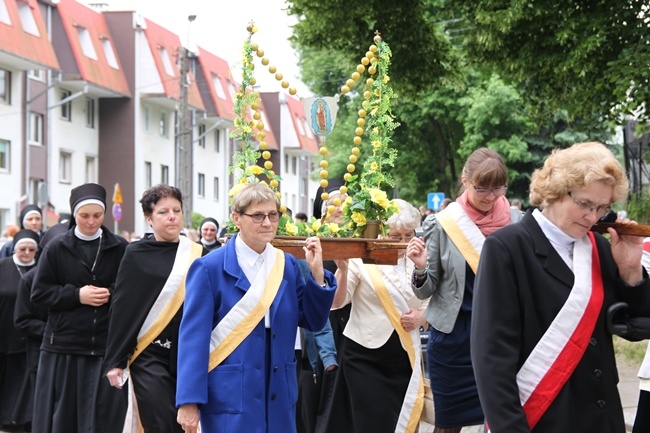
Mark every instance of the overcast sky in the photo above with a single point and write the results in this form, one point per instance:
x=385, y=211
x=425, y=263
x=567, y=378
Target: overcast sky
x=220, y=27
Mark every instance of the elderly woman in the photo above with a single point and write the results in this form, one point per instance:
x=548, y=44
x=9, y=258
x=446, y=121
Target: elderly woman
x=147, y=309
x=15, y=395
x=543, y=358
x=31, y=219
x=208, y=230
x=445, y=267
x=243, y=305
x=380, y=354
x=74, y=281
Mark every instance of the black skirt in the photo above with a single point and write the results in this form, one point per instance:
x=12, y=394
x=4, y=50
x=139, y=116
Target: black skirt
x=376, y=381
x=73, y=396
x=15, y=391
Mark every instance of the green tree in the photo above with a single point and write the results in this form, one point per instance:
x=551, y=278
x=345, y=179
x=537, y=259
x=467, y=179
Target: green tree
x=588, y=57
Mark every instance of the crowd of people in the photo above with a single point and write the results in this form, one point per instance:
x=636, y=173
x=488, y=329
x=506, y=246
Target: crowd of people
x=184, y=332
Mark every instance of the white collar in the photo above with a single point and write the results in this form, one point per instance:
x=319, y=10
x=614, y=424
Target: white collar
x=246, y=254
x=554, y=234
x=84, y=237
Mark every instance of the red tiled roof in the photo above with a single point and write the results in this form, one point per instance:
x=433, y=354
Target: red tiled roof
x=165, y=43
x=308, y=141
x=79, y=19
x=217, y=72
x=31, y=50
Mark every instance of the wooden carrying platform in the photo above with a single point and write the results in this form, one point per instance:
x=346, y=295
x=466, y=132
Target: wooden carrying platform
x=377, y=251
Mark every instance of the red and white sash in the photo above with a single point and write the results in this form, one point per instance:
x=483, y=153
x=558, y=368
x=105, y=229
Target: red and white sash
x=553, y=360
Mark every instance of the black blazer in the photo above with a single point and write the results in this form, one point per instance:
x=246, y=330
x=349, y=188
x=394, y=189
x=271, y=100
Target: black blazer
x=521, y=285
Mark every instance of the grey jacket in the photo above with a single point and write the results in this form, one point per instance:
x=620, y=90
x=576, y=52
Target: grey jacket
x=445, y=282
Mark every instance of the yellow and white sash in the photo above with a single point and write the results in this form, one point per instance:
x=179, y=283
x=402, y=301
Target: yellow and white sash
x=244, y=316
x=394, y=302
x=463, y=233
x=171, y=296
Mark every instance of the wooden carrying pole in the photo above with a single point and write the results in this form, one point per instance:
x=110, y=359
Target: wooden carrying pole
x=623, y=229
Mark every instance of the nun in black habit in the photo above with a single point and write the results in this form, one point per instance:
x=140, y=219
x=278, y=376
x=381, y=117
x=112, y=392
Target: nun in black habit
x=208, y=231
x=15, y=398
x=31, y=319
x=31, y=218
x=74, y=281
x=147, y=308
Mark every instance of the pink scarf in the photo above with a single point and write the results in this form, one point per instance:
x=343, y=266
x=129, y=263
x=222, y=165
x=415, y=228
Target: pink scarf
x=496, y=218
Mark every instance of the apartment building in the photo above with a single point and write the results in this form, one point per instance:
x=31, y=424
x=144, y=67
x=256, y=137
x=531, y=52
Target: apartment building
x=101, y=96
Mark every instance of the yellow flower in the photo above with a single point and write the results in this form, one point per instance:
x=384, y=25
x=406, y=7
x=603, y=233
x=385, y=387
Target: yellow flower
x=379, y=196
x=358, y=218
x=291, y=228
x=316, y=225
x=334, y=228
x=255, y=169
x=386, y=79
x=376, y=143
x=373, y=166
x=235, y=189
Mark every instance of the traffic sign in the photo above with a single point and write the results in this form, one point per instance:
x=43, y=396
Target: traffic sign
x=117, y=212
x=434, y=199
x=117, y=194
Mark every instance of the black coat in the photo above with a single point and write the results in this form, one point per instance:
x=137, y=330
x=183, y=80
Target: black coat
x=72, y=327
x=521, y=285
x=11, y=341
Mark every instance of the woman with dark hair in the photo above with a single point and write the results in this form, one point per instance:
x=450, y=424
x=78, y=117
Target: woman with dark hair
x=74, y=281
x=445, y=268
x=147, y=309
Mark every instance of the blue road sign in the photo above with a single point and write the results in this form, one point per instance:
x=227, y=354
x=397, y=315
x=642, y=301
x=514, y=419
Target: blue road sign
x=434, y=199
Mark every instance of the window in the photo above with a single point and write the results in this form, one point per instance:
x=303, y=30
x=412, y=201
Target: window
x=147, y=174
x=109, y=53
x=307, y=129
x=35, y=128
x=5, y=86
x=27, y=19
x=167, y=63
x=5, y=149
x=304, y=186
x=215, y=186
x=91, y=169
x=147, y=118
x=218, y=87
x=294, y=164
x=66, y=107
x=232, y=90
x=164, y=174
x=217, y=140
x=286, y=163
x=201, y=185
x=86, y=43
x=202, y=136
x=163, y=126
x=90, y=112
x=65, y=167
x=301, y=130
x=37, y=74
x=4, y=18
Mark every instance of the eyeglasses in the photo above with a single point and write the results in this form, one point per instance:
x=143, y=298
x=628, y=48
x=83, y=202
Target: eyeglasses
x=25, y=250
x=484, y=192
x=259, y=217
x=589, y=207
x=402, y=238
